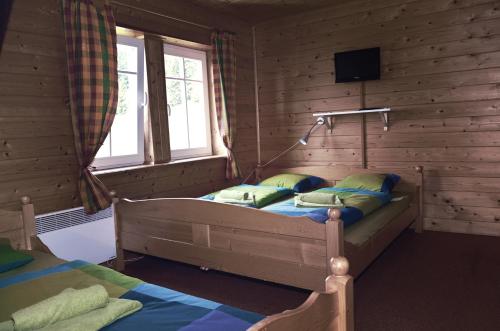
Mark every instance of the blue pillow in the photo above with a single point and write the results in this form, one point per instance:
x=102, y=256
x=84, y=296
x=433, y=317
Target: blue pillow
x=309, y=183
x=389, y=182
x=296, y=182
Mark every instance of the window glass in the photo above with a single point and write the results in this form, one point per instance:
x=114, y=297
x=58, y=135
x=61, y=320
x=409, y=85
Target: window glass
x=193, y=69
x=187, y=97
x=125, y=126
x=174, y=66
x=127, y=57
x=177, y=117
x=196, y=113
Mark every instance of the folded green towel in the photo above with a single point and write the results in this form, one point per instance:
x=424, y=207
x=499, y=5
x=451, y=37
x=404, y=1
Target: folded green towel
x=248, y=202
x=7, y=326
x=85, y=309
x=236, y=197
x=233, y=194
x=317, y=199
x=98, y=318
x=67, y=304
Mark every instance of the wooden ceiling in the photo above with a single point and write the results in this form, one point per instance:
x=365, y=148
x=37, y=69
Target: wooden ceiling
x=256, y=11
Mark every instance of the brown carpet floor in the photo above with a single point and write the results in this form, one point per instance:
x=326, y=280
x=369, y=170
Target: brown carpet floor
x=431, y=281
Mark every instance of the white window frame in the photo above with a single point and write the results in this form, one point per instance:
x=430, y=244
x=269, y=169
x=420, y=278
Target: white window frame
x=169, y=49
x=133, y=159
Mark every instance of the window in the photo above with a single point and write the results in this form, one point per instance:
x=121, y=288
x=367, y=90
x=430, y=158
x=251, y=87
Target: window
x=187, y=98
x=125, y=143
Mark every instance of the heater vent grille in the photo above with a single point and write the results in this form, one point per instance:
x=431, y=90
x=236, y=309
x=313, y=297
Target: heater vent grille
x=68, y=218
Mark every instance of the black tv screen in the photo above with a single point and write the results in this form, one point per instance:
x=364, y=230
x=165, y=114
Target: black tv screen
x=5, y=7
x=359, y=65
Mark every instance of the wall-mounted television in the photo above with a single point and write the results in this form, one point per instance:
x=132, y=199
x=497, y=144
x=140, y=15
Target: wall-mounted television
x=5, y=7
x=358, y=65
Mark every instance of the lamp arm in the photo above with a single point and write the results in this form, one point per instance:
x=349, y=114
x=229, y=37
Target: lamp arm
x=314, y=128
x=274, y=158
x=321, y=121
x=280, y=154
x=308, y=134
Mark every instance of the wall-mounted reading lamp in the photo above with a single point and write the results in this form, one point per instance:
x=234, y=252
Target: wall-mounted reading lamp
x=319, y=122
x=304, y=140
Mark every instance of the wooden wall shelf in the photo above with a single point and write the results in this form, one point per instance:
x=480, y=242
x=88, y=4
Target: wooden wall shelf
x=330, y=116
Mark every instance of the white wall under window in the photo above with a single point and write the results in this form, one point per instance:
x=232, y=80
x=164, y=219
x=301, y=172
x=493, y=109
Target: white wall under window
x=125, y=143
x=188, y=103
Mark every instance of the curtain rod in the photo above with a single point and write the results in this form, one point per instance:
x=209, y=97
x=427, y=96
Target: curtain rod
x=162, y=15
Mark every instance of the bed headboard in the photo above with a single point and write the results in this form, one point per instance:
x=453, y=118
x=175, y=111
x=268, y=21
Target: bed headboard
x=19, y=226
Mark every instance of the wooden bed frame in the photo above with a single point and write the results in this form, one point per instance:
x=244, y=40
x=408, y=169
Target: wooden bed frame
x=288, y=250
x=331, y=310
x=19, y=226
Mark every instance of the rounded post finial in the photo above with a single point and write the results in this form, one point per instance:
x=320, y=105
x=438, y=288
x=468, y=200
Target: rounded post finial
x=334, y=213
x=419, y=169
x=26, y=200
x=114, y=196
x=339, y=266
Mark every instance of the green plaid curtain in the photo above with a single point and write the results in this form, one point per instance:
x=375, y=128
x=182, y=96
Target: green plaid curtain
x=93, y=83
x=224, y=75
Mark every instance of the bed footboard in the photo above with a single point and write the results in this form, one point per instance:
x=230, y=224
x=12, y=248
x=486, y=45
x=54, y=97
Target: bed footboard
x=328, y=311
x=245, y=241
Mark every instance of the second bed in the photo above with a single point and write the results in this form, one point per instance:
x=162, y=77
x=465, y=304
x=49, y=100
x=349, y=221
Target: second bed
x=291, y=250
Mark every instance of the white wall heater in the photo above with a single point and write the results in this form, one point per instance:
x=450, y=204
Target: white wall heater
x=73, y=235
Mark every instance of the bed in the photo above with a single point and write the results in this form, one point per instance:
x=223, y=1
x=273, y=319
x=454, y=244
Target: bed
x=163, y=308
x=251, y=242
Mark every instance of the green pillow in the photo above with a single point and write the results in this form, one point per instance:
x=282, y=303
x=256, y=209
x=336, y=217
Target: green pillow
x=370, y=182
x=11, y=259
x=296, y=182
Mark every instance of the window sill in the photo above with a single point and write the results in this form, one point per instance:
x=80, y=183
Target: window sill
x=145, y=166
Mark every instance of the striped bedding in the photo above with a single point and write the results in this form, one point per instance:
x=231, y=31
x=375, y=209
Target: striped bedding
x=358, y=204
x=164, y=309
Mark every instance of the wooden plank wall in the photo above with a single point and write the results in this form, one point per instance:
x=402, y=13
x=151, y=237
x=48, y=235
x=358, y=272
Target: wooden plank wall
x=36, y=144
x=440, y=74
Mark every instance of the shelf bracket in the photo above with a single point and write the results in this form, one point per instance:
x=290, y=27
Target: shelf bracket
x=385, y=120
x=331, y=123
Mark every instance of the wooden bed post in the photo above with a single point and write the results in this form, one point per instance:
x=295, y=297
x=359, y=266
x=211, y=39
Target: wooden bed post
x=329, y=310
x=28, y=221
x=341, y=282
x=419, y=222
x=31, y=240
x=120, y=261
x=334, y=236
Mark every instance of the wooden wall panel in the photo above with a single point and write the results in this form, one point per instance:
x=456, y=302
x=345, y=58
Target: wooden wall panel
x=37, y=151
x=36, y=144
x=440, y=74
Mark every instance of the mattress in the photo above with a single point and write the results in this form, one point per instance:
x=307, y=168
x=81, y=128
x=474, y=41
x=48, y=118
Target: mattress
x=163, y=309
x=358, y=233
x=356, y=230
